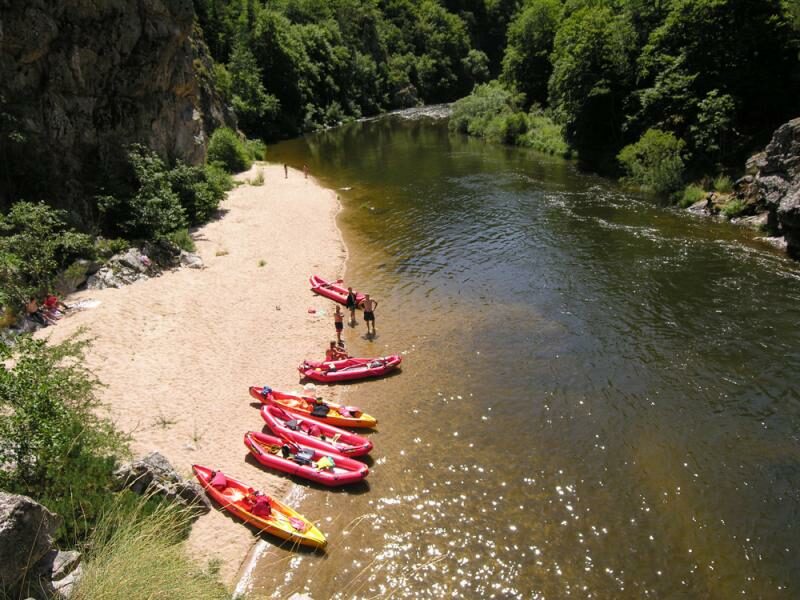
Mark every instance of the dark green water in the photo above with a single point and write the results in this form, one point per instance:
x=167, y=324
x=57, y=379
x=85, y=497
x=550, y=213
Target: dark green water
x=599, y=397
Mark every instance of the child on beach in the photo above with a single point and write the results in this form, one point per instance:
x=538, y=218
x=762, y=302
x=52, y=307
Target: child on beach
x=369, y=312
x=350, y=304
x=334, y=352
x=338, y=322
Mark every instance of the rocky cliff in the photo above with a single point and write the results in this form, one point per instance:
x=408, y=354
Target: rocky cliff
x=80, y=79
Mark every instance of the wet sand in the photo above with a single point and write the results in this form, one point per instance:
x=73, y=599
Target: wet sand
x=178, y=352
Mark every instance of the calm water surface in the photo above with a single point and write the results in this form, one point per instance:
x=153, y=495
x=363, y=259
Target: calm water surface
x=599, y=397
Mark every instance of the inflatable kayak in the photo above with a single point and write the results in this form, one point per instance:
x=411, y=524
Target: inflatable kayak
x=259, y=509
x=309, y=463
x=334, y=290
x=348, y=368
x=325, y=412
x=313, y=434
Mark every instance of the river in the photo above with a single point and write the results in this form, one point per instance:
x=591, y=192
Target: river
x=599, y=395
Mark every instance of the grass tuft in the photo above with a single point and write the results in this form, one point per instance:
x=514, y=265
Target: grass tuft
x=691, y=195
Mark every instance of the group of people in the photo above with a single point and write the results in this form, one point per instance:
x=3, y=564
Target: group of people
x=46, y=313
x=336, y=349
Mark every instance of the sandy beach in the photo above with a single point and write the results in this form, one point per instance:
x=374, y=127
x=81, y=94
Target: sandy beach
x=178, y=352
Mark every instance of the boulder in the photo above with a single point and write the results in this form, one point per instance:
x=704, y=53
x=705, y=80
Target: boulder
x=155, y=474
x=57, y=573
x=26, y=536
x=191, y=260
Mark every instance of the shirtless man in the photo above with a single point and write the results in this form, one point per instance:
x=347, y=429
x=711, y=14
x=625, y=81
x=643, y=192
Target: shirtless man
x=338, y=322
x=369, y=312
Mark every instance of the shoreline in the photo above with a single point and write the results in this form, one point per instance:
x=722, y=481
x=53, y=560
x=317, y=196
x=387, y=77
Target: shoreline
x=176, y=353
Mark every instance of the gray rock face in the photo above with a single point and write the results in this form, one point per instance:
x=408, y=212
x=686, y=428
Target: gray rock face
x=139, y=264
x=82, y=78
x=26, y=536
x=155, y=474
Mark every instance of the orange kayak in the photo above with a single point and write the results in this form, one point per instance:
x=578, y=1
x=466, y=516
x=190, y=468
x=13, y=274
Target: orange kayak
x=324, y=412
x=271, y=515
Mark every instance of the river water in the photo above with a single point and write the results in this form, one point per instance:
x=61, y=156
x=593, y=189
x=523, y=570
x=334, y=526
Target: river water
x=599, y=397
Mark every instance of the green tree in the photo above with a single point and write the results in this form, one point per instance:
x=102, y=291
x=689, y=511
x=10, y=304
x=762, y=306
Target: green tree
x=592, y=75
x=252, y=104
x=655, y=162
x=526, y=63
x=228, y=149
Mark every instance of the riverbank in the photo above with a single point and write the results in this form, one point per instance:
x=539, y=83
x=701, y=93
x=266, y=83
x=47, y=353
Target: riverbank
x=177, y=352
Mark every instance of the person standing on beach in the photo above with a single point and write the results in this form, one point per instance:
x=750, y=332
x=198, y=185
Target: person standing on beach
x=338, y=322
x=350, y=304
x=305, y=171
x=285, y=171
x=369, y=312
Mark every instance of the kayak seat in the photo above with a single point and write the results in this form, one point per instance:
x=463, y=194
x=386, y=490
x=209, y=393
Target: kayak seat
x=320, y=410
x=304, y=456
x=293, y=424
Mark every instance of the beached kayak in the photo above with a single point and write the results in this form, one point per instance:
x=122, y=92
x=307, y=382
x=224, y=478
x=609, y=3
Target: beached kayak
x=258, y=509
x=326, y=412
x=314, y=434
x=334, y=290
x=327, y=468
x=349, y=368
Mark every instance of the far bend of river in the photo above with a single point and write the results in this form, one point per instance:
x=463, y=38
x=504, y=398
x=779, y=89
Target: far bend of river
x=599, y=397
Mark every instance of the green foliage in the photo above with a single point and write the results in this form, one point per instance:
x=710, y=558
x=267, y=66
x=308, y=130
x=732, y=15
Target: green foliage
x=229, y=150
x=256, y=149
x=723, y=184
x=592, y=75
x=545, y=135
x=105, y=248
x=474, y=113
x=136, y=552
x=182, y=239
x=692, y=194
x=199, y=190
x=251, y=102
x=154, y=210
x=655, y=162
x=54, y=444
x=733, y=208
x=526, y=63
x=35, y=243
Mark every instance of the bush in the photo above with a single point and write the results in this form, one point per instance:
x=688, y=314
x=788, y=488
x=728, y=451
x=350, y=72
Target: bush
x=259, y=178
x=691, y=195
x=154, y=210
x=545, y=135
x=733, y=208
x=35, y=243
x=54, y=444
x=105, y=248
x=723, y=184
x=182, y=240
x=228, y=149
x=199, y=189
x=655, y=162
x=507, y=128
x=136, y=553
x=256, y=149
x=474, y=113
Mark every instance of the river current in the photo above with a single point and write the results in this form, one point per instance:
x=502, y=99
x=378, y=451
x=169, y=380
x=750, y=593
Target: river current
x=599, y=395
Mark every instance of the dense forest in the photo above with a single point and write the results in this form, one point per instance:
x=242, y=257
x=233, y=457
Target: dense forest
x=702, y=82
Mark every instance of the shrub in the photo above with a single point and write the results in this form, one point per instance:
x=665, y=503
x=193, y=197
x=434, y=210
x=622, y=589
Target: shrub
x=545, y=135
x=154, y=210
x=256, y=149
x=35, y=243
x=259, y=178
x=199, y=189
x=691, y=195
x=723, y=184
x=136, y=553
x=105, y=248
x=228, y=149
x=474, y=113
x=507, y=128
x=655, y=162
x=54, y=444
x=182, y=240
x=733, y=208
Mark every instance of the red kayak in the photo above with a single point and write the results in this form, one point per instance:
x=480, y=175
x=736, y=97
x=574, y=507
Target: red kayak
x=333, y=290
x=349, y=368
x=310, y=463
x=314, y=434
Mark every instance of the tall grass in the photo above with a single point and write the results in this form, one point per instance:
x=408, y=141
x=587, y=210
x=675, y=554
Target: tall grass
x=691, y=195
x=137, y=553
x=723, y=184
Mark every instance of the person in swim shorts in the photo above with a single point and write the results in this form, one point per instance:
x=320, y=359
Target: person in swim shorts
x=369, y=312
x=350, y=304
x=338, y=322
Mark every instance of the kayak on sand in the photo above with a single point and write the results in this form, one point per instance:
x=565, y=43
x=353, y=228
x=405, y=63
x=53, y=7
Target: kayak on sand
x=336, y=291
x=310, y=463
x=349, y=368
x=260, y=510
x=314, y=434
x=325, y=412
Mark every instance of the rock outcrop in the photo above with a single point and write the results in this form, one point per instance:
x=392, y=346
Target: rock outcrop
x=80, y=79
x=137, y=264
x=154, y=474
x=773, y=185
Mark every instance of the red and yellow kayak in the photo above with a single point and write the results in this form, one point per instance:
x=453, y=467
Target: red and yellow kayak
x=239, y=499
x=324, y=412
x=349, y=368
x=309, y=463
x=336, y=291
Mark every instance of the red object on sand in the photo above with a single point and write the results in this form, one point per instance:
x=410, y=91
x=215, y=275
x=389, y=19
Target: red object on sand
x=267, y=450
x=312, y=433
x=336, y=291
x=349, y=368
